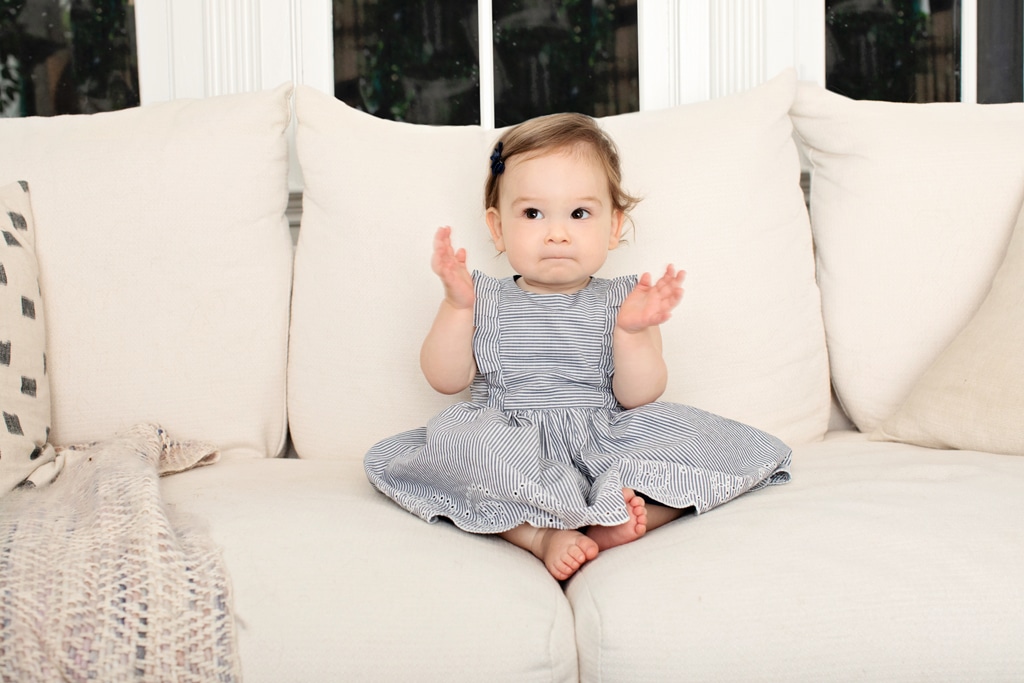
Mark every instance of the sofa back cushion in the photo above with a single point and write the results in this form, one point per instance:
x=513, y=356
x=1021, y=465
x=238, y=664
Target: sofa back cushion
x=972, y=396
x=912, y=207
x=721, y=199
x=165, y=266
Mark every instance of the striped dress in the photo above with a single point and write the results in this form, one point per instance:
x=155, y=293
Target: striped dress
x=543, y=440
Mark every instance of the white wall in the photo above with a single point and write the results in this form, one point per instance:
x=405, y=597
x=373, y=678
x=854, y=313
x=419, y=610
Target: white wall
x=201, y=48
x=693, y=50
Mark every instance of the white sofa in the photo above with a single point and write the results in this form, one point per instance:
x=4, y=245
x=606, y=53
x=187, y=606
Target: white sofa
x=173, y=294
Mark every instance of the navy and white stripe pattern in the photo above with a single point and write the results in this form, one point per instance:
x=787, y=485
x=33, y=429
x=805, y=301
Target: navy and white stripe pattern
x=544, y=441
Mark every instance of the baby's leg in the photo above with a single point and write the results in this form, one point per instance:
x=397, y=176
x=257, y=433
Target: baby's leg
x=563, y=551
x=611, y=536
x=657, y=515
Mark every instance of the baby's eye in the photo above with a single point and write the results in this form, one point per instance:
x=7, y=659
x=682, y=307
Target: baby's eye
x=533, y=214
x=580, y=214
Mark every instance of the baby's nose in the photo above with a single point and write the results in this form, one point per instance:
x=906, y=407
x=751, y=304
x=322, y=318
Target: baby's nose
x=557, y=232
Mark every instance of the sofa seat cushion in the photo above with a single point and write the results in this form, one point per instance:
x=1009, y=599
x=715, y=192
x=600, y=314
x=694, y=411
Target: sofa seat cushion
x=880, y=561
x=333, y=582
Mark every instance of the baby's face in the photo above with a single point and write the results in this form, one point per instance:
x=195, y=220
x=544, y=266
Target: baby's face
x=555, y=222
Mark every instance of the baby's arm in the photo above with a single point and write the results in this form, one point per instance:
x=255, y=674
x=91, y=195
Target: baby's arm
x=640, y=371
x=446, y=357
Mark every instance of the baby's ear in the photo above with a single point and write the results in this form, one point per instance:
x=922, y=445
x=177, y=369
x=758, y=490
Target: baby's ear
x=615, y=238
x=493, y=219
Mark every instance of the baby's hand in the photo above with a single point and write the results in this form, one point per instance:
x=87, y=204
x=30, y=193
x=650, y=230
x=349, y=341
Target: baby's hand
x=450, y=266
x=648, y=305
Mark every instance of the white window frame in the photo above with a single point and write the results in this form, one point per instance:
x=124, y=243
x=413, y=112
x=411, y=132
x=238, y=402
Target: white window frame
x=202, y=48
x=690, y=50
x=969, y=50
x=694, y=50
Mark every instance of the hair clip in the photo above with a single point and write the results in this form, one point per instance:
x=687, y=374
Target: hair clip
x=497, y=163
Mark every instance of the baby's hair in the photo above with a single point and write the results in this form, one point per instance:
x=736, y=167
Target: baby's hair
x=572, y=132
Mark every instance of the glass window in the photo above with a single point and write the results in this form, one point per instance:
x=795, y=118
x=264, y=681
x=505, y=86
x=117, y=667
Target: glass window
x=576, y=55
x=418, y=60
x=405, y=60
x=1000, y=51
x=894, y=50
x=909, y=50
x=67, y=56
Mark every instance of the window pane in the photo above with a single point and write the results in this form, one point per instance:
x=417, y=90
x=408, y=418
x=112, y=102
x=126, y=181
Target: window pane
x=897, y=50
x=67, y=56
x=575, y=55
x=408, y=60
x=1000, y=51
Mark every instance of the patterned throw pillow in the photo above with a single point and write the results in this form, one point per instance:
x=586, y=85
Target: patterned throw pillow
x=24, y=385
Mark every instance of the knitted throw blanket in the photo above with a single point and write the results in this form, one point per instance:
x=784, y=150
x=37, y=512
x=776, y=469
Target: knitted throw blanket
x=98, y=584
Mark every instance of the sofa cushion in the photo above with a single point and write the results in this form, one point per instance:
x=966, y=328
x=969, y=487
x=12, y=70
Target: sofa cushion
x=972, y=397
x=333, y=582
x=912, y=207
x=720, y=182
x=878, y=562
x=165, y=264
x=24, y=384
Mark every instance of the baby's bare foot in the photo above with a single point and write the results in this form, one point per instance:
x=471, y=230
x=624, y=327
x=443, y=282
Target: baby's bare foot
x=611, y=536
x=563, y=551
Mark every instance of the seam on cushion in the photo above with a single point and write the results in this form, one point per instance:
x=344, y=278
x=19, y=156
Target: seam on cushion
x=552, y=661
x=285, y=441
x=585, y=591
x=552, y=655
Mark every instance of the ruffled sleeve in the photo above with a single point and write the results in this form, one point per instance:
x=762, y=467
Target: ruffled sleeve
x=619, y=289
x=485, y=318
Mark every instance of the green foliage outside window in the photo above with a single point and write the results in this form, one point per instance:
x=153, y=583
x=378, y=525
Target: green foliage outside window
x=893, y=50
x=566, y=56
x=417, y=60
x=67, y=56
x=409, y=60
